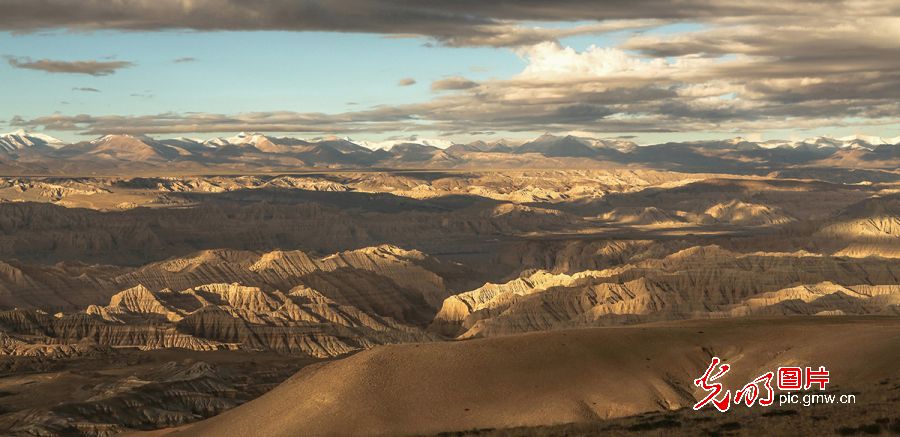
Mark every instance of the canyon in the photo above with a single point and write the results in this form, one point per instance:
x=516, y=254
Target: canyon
x=187, y=281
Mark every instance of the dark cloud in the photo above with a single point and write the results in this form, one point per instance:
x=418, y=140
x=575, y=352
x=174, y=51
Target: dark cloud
x=748, y=65
x=388, y=16
x=453, y=83
x=86, y=89
x=93, y=68
x=406, y=81
x=166, y=123
x=581, y=113
x=184, y=60
x=458, y=22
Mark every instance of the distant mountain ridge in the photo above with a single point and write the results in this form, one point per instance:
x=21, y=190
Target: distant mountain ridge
x=22, y=152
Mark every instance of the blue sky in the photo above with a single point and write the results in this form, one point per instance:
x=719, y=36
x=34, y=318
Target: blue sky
x=235, y=72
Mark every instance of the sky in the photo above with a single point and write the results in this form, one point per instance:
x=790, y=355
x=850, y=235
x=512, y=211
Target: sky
x=462, y=70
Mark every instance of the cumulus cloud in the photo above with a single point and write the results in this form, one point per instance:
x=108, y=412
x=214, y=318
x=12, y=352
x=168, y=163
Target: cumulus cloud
x=453, y=83
x=747, y=66
x=515, y=35
x=93, y=68
x=406, y=81
x=551, y=60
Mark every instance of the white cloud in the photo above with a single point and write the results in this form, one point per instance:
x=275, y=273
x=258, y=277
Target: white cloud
x=550, y=60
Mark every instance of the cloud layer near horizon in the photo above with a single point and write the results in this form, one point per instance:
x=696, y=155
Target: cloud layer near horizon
x=92, y=68
x=769, y=65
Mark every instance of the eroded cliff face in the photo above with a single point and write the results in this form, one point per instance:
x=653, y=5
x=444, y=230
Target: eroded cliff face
x=222, y=299
x=869, y=228
x=700, y=282
x=120, y=389
x=262, y=220
x=299, y=269
x=409, y=281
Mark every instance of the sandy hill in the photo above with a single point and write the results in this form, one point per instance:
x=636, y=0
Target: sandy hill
x=698, y=282
x=748, y=214
x=551, y=378
x=642, y=216
x=867, y=228
x=284, y=301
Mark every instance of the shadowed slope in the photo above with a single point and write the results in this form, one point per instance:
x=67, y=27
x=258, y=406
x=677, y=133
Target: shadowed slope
x=551, y=378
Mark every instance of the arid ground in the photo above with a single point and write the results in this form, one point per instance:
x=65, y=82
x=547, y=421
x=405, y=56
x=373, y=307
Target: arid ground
x=449, y=218
x=542, y=302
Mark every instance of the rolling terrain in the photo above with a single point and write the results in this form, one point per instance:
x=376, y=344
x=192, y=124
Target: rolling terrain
x=394, y=218
x=561, y=377
x=372, y=276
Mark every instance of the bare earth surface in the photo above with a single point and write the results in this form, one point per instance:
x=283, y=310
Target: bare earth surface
x=567, y=376
x=421, y=302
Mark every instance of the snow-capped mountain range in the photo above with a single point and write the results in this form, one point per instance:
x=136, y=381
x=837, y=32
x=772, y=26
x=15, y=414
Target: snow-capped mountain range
x=867, y=142
x=32, y=153
x=388, y=144
x=22, y=139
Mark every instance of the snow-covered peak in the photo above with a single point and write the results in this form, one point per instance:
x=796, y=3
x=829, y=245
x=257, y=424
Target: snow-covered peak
x=389, y=144
x=119, y=137
x=242, y=138
x=775, y=144
x=871, y=139
x=22, y=139
x=245, y=137
x=820, y=142
x=215, y=142
x=622, y=145
x=251, y=138
x=187, y=139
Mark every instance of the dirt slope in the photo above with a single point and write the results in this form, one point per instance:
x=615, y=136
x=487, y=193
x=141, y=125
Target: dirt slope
x=552, y=377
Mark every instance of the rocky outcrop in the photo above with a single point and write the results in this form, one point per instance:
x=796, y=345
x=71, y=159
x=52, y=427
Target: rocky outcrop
x=870, y=228
x=825, y=298
x=732, y=213
x=642, y=216
x=385, y=280
x=58, y=287
x=57, y=190
x=167, y=394
x=215, y=317
x=257, y=220
x=11, y=346
x=571, y=256
x=699, y=282
x=405, y=284
x=740, y=213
